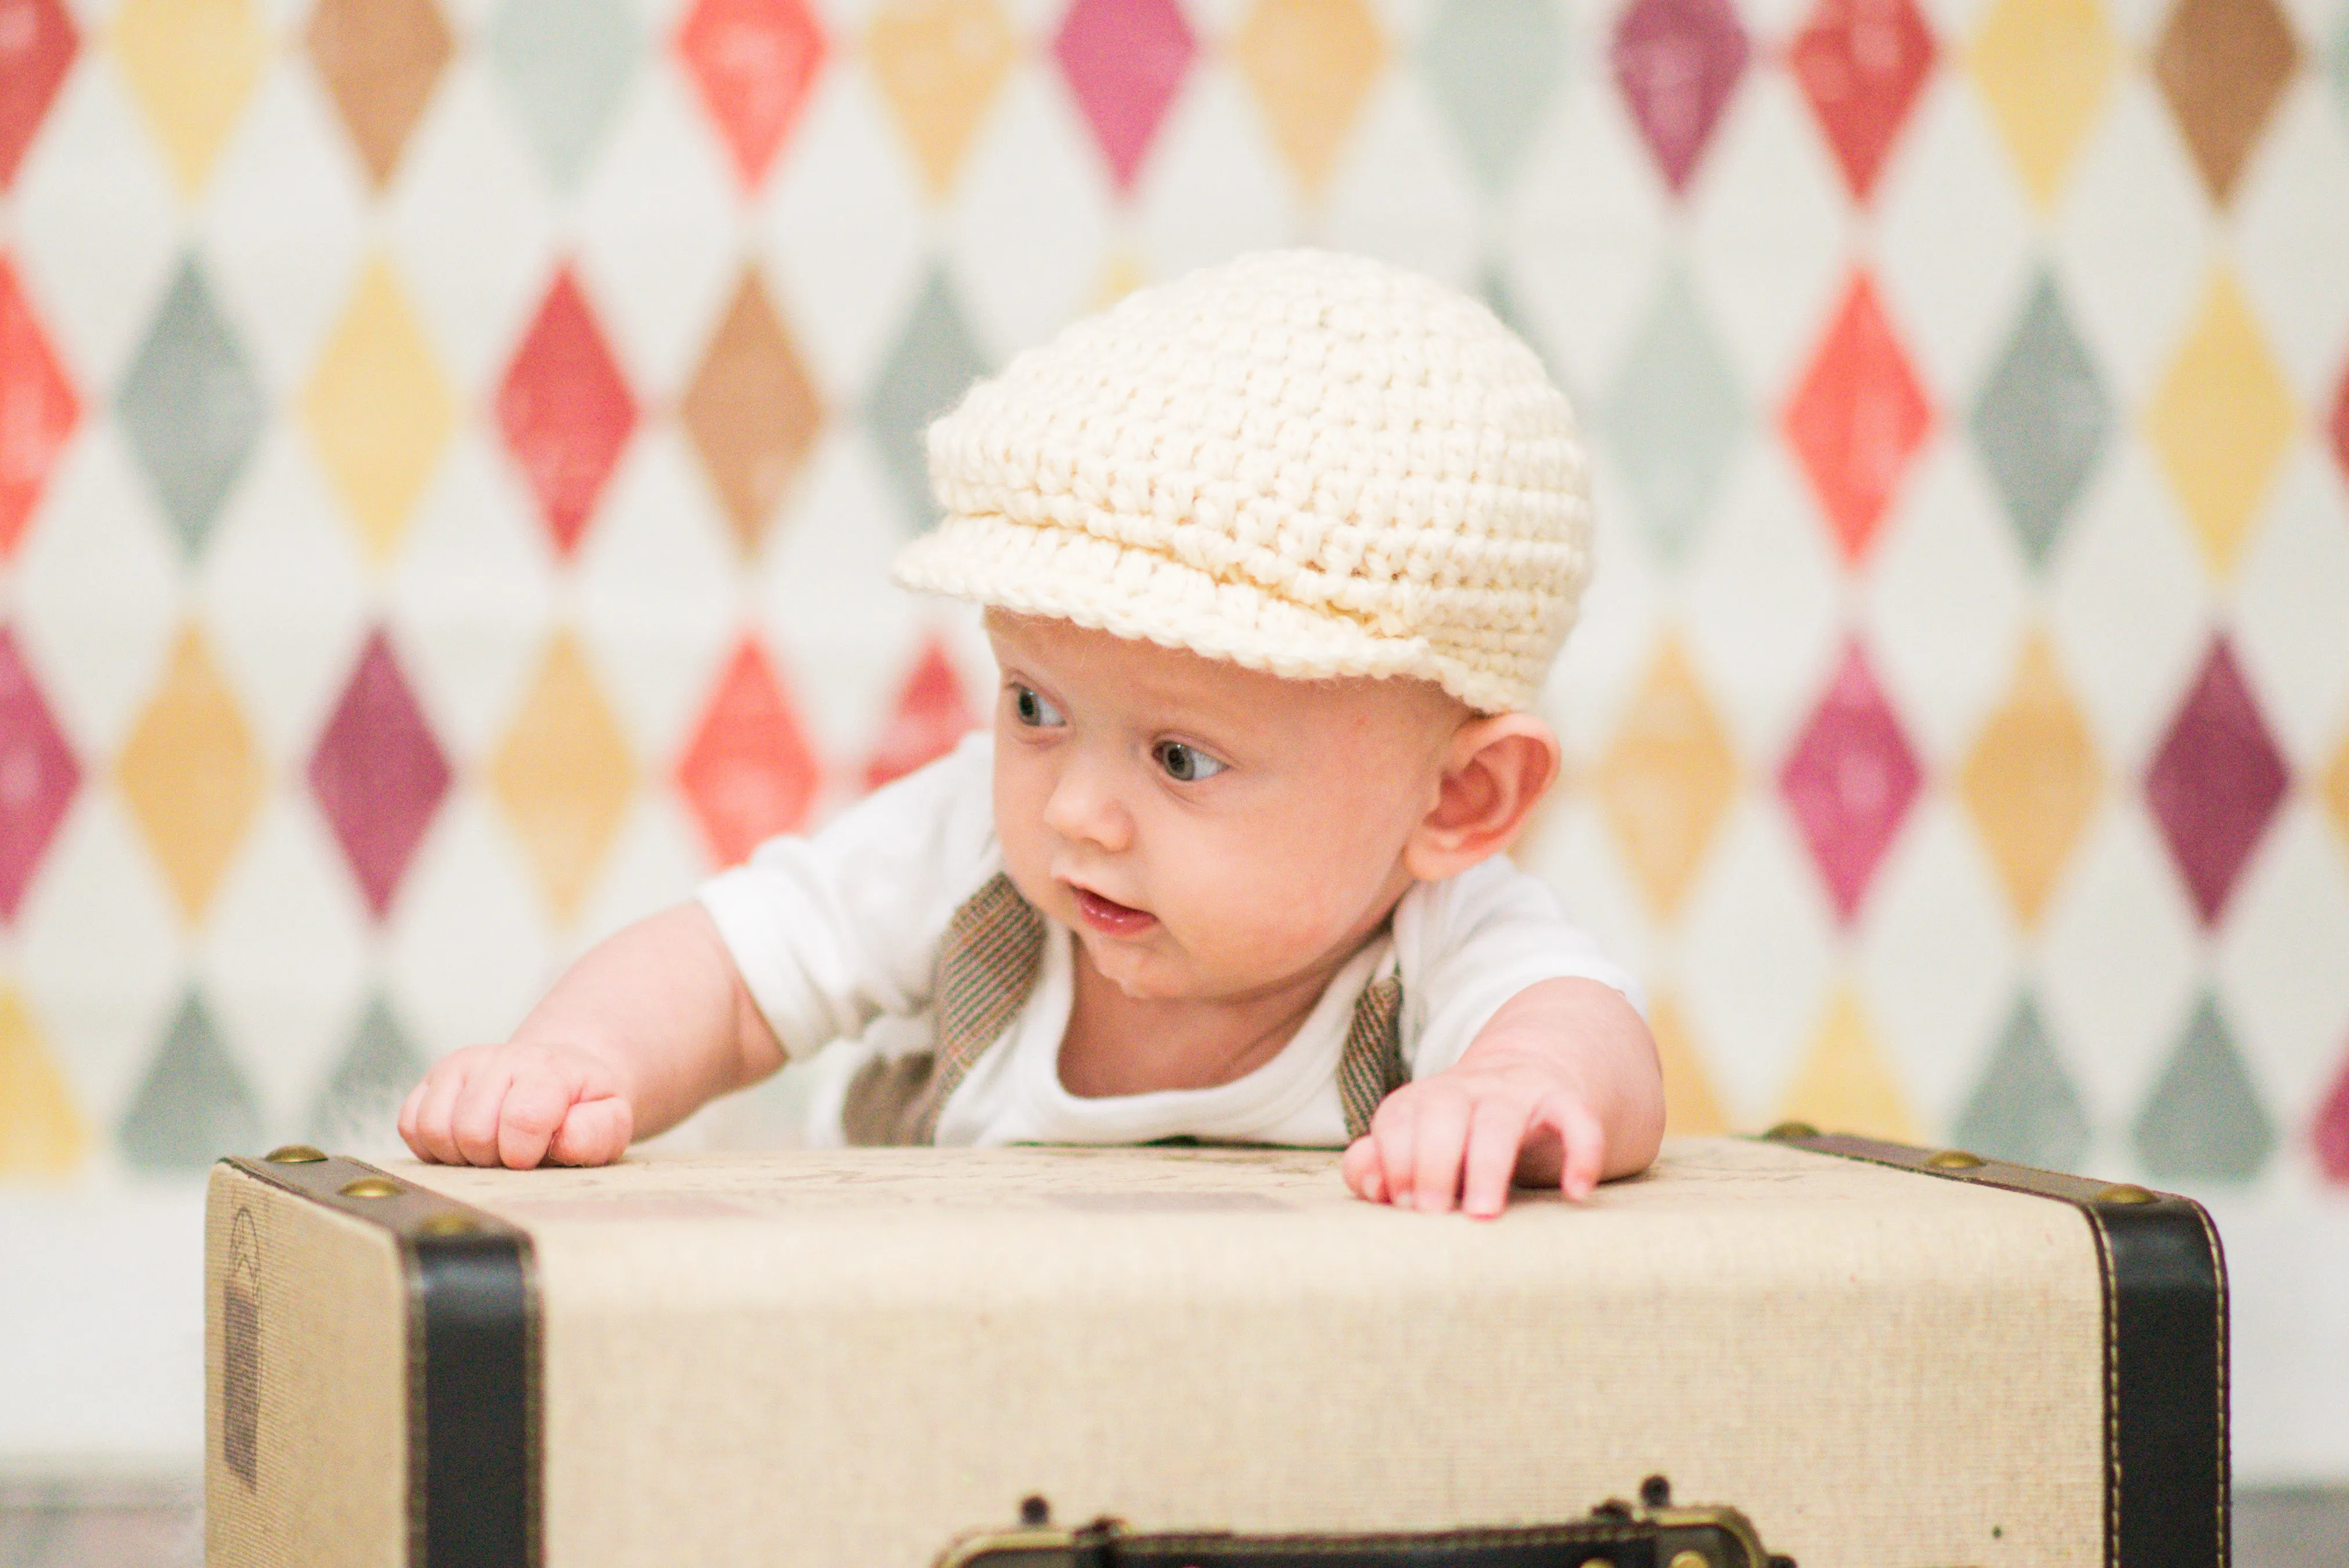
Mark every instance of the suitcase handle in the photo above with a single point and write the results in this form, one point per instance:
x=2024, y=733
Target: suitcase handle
x=1615, y=1534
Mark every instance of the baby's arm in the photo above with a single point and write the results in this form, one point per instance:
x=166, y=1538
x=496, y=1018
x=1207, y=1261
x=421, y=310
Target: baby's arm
x=1560, y=1087
x=640, y=1033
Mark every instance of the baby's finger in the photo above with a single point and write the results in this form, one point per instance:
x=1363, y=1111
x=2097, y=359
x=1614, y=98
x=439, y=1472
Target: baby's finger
x=1360, y=1169
x=1495, y=1134
x=1584, y=1155
x=406, y=1121
x=593, y=1132
x=474, y=1123
x=1441, y=1134
x=437, y=1110
x=1391, y=1130
x=527, y=1122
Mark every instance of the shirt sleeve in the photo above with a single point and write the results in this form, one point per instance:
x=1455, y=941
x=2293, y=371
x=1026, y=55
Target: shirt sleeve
x=1465, y=945
x=835, y=929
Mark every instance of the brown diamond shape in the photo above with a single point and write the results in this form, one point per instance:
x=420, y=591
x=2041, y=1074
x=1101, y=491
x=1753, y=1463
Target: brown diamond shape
x=751, y=410
x=380, y=59
x=2221, y=65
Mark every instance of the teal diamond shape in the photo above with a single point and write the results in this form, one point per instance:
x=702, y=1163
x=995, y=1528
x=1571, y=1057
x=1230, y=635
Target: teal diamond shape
x=565, y=65
x=2042, y=421
x=1674, y=415
x=2025, y=1108
x=1491, y=66
x=2203, y=1121
x=193, y=1106
x=935, y=361
x=191, y=407
x=361, y=1098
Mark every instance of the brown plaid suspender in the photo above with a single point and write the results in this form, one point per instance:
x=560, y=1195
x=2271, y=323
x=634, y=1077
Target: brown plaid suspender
x=987, y=965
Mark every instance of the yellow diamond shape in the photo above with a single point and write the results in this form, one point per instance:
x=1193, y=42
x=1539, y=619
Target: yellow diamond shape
x=192, y=773
x=41, y=1133
x=563, y=776
x=2030, y=780
x=938, y=63
x=1311, y=63
x=1667, y=780
x=1843, y=1085
x=192, y=64
x=377, y=409
x=1690, y=1108
x=2335, y=789
x=2220, y=423
x=2043, y=67
x=1120, y=277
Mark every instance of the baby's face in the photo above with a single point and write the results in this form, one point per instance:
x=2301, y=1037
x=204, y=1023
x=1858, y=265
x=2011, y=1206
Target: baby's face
x=1209, y=832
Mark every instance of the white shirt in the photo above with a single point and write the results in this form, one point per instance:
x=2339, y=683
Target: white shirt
x=836, y=935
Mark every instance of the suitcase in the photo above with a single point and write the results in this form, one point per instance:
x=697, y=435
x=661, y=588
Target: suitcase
x=1854, y=1354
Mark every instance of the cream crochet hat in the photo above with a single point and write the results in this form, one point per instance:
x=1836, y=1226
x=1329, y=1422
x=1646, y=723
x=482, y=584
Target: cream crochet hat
x=1307, y=464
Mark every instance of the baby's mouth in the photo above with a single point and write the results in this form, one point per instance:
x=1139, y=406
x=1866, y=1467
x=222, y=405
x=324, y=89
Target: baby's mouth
x=1107, y=916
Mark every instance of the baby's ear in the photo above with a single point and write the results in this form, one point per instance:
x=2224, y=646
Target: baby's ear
x=1495, y=772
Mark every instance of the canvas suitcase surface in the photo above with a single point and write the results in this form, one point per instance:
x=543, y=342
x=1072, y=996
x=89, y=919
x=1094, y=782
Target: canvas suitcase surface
x=1884, y=1358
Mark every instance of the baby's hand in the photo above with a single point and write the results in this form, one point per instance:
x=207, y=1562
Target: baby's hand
x=517, y=1105
x=1464, y=1134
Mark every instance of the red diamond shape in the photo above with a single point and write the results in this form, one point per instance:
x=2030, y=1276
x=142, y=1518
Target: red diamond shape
x=1858, y=419
x=1676, y=62
x=2216, y=781
x=2341, y=424
x=1125, y=60
x=1849, y=781
x=377, y=773
x=749, y=772
x=1860, y=63
x=931, y=715
x=754, y=61
x=36, y=43
x=2330, y=1132
x=565, y=411
x=37, y=409
x=37, y=777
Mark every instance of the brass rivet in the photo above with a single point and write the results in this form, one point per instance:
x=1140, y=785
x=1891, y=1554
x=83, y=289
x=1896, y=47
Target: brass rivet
x=2125, y=1192
x=372, y=1186
x=1691, y=1558
x=1955, y=1159
x=294, y=1154
x=1597, y=1562
x=1785, y=1130
x=447, y=1225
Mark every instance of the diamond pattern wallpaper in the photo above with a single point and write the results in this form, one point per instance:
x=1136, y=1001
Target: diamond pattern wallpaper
x=450, y=451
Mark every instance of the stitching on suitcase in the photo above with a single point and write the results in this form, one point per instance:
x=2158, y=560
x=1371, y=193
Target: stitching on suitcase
x=2112, y=1386
x=2219, y=1499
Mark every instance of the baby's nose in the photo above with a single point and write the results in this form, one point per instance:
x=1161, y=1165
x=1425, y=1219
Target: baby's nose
x=1084, y=806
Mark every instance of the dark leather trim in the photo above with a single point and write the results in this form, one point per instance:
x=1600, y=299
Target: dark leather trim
x=473, y=1364
x=2167, y=1487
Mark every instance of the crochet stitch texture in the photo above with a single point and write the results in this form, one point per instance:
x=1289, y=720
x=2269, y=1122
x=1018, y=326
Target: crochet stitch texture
x=1303, y=462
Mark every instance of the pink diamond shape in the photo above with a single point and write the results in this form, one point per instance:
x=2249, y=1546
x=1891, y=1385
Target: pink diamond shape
x=37, y=409
x=377, y=773
x=931, y=715
x=1861, y=62
x=1125, y=60
x=36, y=43
x=565, y=411
x=1676, y=61
x=37, y=777
x=754, y=61
x=1858, y=419
x=2330, y=1132
x=749, y=772
x=1849, y=781
x=2216, y=781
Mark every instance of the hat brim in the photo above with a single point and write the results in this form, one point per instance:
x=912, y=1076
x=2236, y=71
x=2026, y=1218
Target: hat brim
x=1078, y=576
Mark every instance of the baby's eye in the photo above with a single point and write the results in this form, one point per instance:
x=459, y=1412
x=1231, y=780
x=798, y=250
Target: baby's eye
x=1185, y=764
x=1032, y=709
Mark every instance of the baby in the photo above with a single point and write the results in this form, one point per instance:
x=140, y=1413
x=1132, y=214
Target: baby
x=1273, y=558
